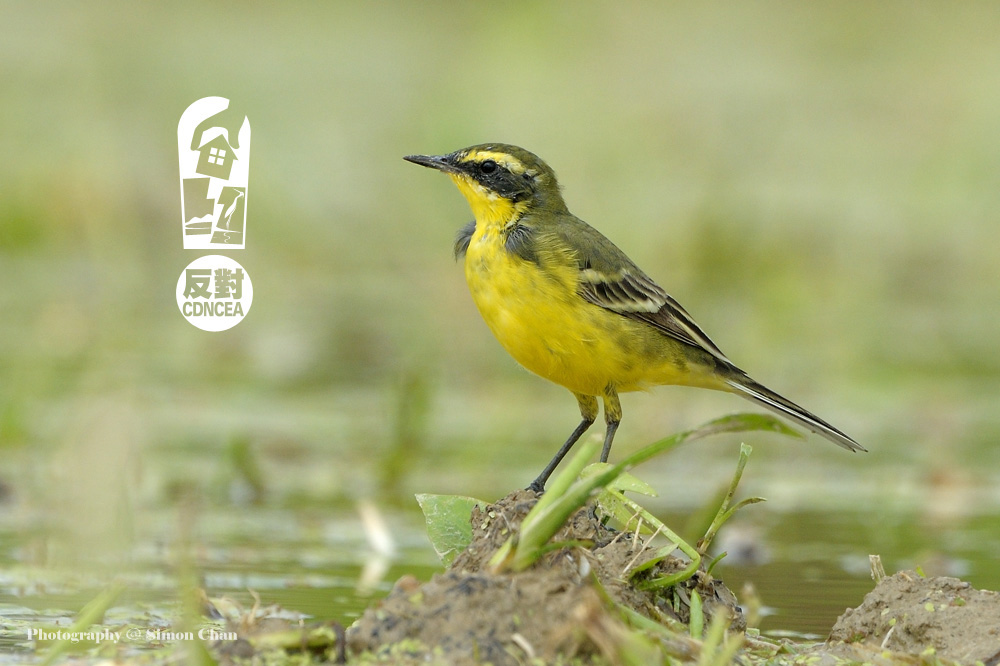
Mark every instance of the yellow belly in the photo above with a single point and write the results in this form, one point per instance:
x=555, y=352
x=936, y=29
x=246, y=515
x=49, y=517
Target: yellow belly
x=541, y=321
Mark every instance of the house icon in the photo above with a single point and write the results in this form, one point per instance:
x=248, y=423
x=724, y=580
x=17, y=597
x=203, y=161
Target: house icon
x=216, y=157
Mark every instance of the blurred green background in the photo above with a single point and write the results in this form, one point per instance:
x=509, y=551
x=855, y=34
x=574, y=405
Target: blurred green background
x=816, y=182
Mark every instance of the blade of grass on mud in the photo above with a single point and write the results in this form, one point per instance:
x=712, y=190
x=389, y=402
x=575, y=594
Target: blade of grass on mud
x=567, y=492
x=448, y=526
x=719, y=647
x=695, y=555
x=565, y=495
x=726, y=511
x=633, y=517
x=697, y=623
x=611, y=500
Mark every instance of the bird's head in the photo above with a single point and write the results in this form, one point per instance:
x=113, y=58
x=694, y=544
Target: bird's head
x=500, y=181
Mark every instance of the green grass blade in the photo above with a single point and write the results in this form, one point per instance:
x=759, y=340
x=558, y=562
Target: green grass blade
x=89, y=615
x=552, y=511
x=567, y=492
x=697, y=621
x=725, y=512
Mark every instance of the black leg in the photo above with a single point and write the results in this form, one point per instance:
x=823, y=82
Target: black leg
x=612, y=416
x=609, y=437
x=538, y=485
x=588, y=410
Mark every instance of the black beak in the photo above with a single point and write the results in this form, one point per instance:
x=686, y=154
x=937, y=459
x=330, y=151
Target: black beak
x=439, y=162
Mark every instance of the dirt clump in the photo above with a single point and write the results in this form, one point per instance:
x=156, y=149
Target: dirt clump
x=469, y=614
x=907, y=613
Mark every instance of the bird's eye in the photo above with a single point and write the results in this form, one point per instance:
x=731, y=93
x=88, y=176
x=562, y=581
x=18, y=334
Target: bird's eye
x=488, y=166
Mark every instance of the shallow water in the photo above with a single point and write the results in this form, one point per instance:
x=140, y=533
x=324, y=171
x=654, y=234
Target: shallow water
x=806, y=567
x=287, y=515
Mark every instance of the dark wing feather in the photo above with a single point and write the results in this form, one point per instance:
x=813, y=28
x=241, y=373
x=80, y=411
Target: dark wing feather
x=636, y=296
x=463, y=238
x=610, y=279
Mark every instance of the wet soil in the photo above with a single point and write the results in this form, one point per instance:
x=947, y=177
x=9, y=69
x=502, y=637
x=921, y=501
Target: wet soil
x=556, y=607
x=913, y=615
x=559, y=608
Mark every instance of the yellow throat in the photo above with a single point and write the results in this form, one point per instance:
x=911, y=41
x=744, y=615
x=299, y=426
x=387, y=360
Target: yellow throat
x=489, y=208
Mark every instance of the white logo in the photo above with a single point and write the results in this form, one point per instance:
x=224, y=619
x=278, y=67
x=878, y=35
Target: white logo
x=214, y=293
x=213, y=146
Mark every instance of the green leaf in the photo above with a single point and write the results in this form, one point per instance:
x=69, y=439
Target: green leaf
x=748, y=421
x=624, y=483
x=448, y=523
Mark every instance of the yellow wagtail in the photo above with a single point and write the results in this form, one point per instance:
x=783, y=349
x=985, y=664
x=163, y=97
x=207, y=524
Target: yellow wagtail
x=570, y=306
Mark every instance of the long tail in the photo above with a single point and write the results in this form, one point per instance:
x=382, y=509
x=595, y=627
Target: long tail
x=751, y=390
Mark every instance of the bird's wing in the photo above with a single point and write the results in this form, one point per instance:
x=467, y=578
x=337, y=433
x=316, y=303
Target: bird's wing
x=638, y=297
x=610, y=279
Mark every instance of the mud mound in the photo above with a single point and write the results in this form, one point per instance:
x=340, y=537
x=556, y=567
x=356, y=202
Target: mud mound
x=908, y=614
x=470, y=615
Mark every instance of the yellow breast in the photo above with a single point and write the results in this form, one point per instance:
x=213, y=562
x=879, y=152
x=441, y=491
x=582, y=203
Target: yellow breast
x=540, y=320
x=536, y=313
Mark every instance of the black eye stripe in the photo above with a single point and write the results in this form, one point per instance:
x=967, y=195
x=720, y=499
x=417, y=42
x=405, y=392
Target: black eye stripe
x=498, y=177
